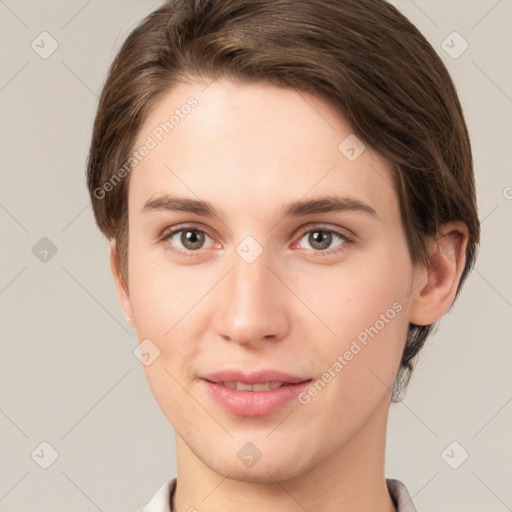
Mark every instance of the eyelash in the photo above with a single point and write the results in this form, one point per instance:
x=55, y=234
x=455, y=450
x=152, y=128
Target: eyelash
x=346, y=240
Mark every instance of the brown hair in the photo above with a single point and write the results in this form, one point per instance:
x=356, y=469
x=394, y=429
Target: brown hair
x=363, y=57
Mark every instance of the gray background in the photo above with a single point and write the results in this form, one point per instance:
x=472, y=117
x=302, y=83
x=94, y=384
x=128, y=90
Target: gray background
x=68, y=375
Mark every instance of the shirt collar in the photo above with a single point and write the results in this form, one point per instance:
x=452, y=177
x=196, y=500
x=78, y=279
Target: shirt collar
x=162, y=500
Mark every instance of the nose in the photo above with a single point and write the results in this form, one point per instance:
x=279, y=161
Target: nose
x=253, y=303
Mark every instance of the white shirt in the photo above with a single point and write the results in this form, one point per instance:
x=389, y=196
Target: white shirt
x=161, y=501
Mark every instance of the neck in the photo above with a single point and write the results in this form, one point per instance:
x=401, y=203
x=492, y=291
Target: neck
x=350, y=479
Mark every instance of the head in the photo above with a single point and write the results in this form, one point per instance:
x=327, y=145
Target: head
x=256, y=107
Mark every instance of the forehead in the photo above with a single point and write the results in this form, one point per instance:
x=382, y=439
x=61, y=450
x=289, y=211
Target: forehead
x=234, y=144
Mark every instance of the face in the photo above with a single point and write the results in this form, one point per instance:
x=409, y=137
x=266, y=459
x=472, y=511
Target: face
x=277, y=278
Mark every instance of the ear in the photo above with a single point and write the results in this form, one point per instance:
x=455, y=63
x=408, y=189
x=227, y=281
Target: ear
x=121, y=287
x=435, y=286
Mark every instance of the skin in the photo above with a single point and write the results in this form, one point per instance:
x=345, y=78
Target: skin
x=250, y=149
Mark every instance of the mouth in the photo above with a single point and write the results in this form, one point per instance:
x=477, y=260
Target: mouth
x=262, y=398
x=262, y=386
x=267, y=378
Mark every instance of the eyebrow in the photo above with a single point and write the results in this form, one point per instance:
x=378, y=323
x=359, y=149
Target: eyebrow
x=329, y=204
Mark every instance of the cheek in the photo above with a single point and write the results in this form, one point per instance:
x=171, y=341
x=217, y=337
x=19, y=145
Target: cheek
x=365, y=306
x=346, y=299
x=357, y=366
x=160, y=294
x=169, y=308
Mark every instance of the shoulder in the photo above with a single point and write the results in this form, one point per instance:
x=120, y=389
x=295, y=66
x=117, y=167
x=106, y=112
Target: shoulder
x=161, y=500
x=400, y=495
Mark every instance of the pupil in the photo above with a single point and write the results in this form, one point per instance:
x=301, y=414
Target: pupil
x=322, y=238
x=191, y=239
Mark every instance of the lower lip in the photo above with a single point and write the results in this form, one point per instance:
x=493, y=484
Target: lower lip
x=254, y=403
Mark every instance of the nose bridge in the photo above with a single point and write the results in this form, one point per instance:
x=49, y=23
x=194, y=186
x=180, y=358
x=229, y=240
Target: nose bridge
x=251, y=280
x=250, y=306
x=250, y=277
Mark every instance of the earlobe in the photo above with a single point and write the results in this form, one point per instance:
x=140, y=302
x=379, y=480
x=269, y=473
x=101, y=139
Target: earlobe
x=436, y=285
x=121, y=287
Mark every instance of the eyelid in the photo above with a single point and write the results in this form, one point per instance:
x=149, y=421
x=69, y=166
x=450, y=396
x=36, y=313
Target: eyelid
x=343, y=232
x=168, y=231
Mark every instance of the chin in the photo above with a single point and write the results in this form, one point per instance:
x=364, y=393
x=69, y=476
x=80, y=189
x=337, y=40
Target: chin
x=254, y=459
x=268, y=472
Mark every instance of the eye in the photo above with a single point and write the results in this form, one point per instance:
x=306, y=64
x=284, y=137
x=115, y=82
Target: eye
x=185, y=239
x=321, y=239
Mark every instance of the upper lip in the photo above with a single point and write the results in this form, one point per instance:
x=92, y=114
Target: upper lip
x=256, y=377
